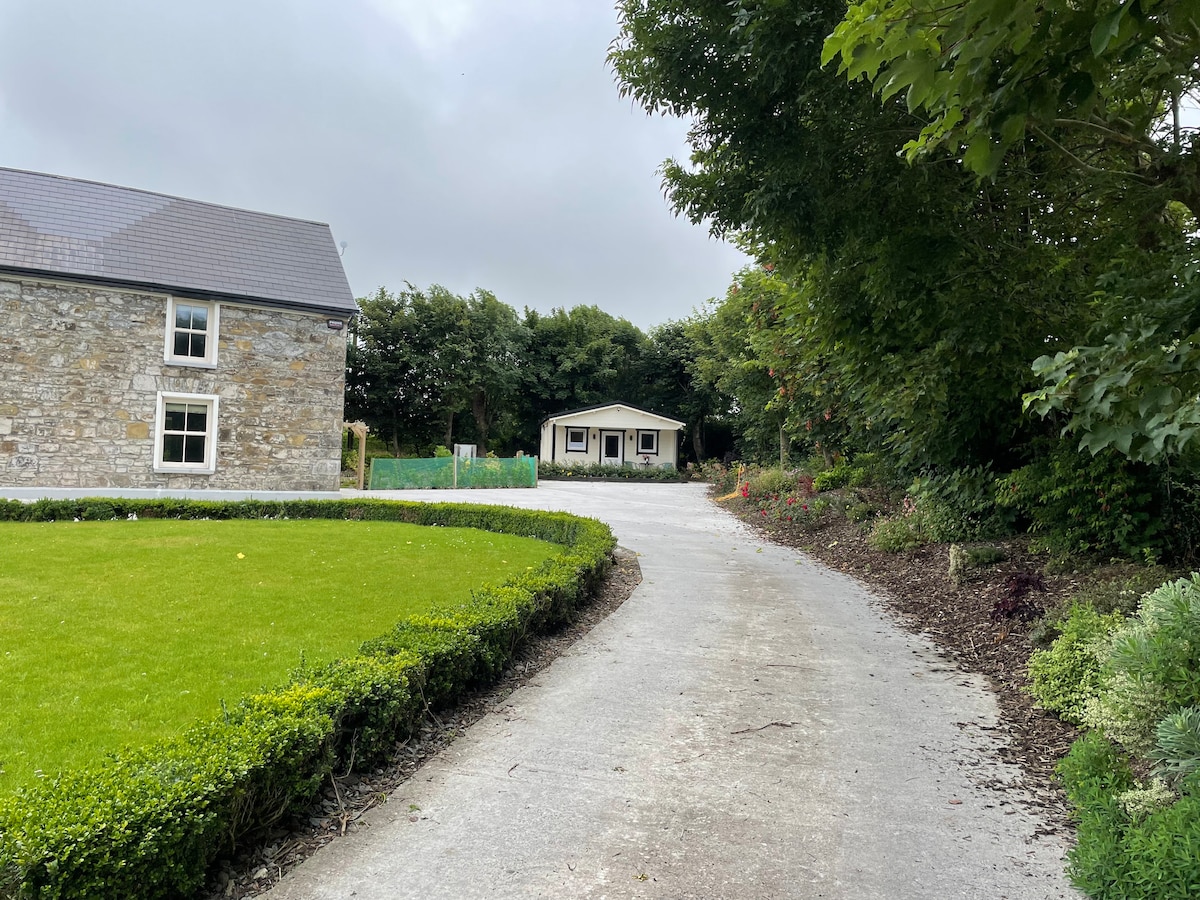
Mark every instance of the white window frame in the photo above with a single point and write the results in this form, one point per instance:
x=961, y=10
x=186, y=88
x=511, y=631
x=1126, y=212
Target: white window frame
x=576, y=446
x=653, y=450
x=209, y=465
x=212, y=333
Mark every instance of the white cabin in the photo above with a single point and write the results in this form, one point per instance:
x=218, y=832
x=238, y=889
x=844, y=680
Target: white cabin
x=615, y=434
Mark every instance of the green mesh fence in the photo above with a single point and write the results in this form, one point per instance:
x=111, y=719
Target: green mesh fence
x=452, y=472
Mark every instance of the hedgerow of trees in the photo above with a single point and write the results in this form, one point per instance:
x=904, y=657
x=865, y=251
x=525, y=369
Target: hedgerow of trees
x=427, y=367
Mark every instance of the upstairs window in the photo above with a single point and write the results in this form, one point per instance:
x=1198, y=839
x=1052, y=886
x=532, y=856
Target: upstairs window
x=647, y=442
x=185, y=434
x=191, y=333
x=577, y=439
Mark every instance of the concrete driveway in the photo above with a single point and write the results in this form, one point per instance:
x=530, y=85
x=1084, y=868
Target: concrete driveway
x=748, y=726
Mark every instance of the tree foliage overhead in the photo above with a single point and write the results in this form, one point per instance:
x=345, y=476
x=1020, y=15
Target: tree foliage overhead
x=918, y=296
x=1135, y=386
x=1093, y=78
x=1101, y=83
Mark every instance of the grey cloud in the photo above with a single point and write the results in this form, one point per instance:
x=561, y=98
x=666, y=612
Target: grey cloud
x=496, y=155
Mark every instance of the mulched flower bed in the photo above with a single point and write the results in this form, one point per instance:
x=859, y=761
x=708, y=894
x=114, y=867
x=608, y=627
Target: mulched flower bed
x=916, y=586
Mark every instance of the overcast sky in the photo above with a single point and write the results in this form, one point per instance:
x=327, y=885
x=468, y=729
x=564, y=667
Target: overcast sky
x=471, y=143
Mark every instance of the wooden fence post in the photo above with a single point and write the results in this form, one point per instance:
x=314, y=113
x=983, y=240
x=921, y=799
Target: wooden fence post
x=360, y=431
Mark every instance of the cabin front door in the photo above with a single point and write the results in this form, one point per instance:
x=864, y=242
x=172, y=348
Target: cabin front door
x=612, y=448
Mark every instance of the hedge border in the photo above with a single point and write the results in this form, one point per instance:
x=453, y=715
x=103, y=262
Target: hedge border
x=555, y=471
x=150, y=822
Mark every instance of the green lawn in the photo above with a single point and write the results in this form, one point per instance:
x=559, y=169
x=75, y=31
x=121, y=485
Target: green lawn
x=116, y=633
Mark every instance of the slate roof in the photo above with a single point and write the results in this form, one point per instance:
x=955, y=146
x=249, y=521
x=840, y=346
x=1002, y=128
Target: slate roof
x=100, y=233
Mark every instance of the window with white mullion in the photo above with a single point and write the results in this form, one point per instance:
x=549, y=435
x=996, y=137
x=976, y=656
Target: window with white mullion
x=192, y=333
x=185, y=433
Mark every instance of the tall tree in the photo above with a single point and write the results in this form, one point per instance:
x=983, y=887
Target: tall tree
x=404, y=365
x=495, y=342
x=1099, y=83
x=728, y=360
x=578, y=357
x=672, y=385
x=921, y=292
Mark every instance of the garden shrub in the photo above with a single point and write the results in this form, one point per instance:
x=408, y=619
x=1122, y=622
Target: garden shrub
x=870, y=469
x=98, y=511
x=1104, y=505
x=979, y=557
x=1093, y=774
x=449, y=658
x=1133, y=842
x=964, y=560
x=858, y=511
x=836, y=477
x=723, y=478
x=1115, y=588
x=894, y=534
x=1177, y=745
x=1122, y=588
x=1066, y=676
x=771, y=481
x=1135, y=839
x=147, y=823
x=864, y=470
x=797, y=508
x=1152, y=667
x=960, y=505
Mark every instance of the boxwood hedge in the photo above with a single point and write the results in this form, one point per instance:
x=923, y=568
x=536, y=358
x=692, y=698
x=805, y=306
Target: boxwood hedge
x=150, y=822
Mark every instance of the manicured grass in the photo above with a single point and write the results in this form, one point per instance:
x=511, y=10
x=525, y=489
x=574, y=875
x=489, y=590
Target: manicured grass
x=116, y=633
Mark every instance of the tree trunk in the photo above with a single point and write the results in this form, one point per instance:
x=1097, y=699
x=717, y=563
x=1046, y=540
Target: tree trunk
x=698, y=439
x=479, y=411
x=449, y=441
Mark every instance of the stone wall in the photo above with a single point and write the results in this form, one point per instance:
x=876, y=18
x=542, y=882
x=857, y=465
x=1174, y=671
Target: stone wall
x=80, y=368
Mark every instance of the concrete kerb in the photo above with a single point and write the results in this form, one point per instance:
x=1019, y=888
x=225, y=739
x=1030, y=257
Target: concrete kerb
x=748, y=725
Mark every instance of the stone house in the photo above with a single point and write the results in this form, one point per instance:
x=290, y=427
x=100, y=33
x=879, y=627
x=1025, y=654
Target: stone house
x=613, y=434
x=155, y=345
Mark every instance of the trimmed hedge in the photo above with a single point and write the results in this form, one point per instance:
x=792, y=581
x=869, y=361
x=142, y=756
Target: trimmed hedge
x=148, y=823
x=554, y=471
